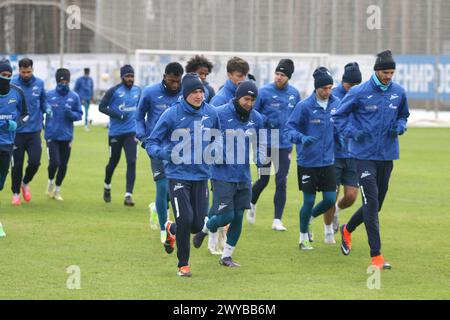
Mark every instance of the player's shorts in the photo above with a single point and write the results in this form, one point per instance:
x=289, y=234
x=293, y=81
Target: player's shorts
x=312, y=180
x=230, y=196
x=157, y=169
x=346, y=172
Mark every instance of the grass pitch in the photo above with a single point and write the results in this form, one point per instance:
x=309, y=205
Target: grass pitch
x=120, y=257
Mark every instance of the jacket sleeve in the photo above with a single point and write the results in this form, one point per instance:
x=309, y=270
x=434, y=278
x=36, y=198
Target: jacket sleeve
x=259, y=106
x=104, y=106
x=143, y=108
x=43, y=101
x=294, y=124
x=403, y=113
x=342, y=116
x=159, y=137
x=92, y=88
x=22, y=108
x=75, y=113
x=261, y=152
x=77, y=86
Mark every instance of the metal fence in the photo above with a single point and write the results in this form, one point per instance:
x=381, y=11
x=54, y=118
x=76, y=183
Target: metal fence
x=329, y=26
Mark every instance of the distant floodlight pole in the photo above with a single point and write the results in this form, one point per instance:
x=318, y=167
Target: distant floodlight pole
x=62, y=29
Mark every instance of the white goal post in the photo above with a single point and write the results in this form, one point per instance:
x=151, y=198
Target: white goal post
x=150, y=64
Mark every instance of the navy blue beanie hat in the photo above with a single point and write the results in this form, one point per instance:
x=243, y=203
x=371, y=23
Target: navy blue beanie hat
x=62, y=74
x=352, y=74
x=126, y=69
x=191, y=82
x=384, y=61
x=5, y=65
x=322, y=77
x=246, y=88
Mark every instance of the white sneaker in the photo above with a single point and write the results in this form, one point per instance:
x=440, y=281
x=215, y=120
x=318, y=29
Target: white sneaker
x=277, y=225
x=51, y=190
x=329, y=238
x=214, y=250
x=153, y=216
x=251, y=214
x=57, y=196
x=305, y=245
x=163, y=236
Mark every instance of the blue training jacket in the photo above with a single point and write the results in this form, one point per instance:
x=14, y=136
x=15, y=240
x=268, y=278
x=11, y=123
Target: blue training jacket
x=236, y=167
x=66, y=110
x=35, y=96
x=209, y=91
x=84, y=86
x=120, y=104
x=341, y=151
x=153, y=102
x=225, y=94
x=12, y=107
x=368, y=109
x=276, y=105
x=182, y=125
x=310, y=119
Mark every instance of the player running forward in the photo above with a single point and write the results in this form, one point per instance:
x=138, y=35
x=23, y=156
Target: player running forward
x=373, y=115
x=231, y=179
x=344, y=164
x=202, y=66
x=275, y=103
x=28, y=136
x=194, y=122
x=311, y=129
x=84, y=86
x=154, y=100
x=58, y=132
x=120, y=104
x=237, y=70
x=13, y=113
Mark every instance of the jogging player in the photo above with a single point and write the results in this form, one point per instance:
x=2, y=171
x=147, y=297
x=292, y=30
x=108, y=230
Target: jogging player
x=311, y=129
x=190, y=120
x=231, y=180
x=155, y=99
x=13, y=113
x=373, y=115
x=275, y=103
x=28, y=136
x=120, y=104
x=58, y=132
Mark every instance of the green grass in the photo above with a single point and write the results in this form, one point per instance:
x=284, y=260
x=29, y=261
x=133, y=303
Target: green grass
x=121, y=258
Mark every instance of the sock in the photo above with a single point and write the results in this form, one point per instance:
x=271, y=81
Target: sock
x=108, y=186
x=227, y=251
x=50, y=182
x=205, y=228
x=15, y=194
x=57, y=189
x=24, y=185
x=337, y=209
x=328, y=228
x=303, y=237
x=311, y=220
x=212, y=239
x=128, y=194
